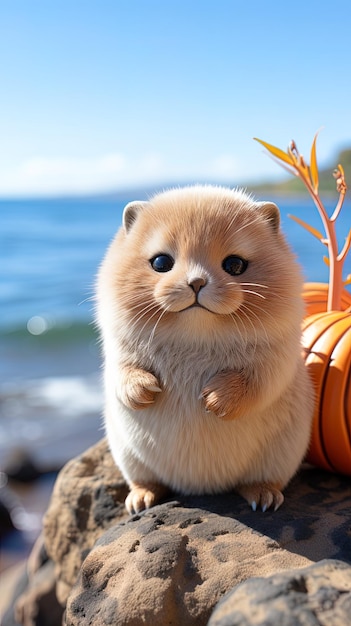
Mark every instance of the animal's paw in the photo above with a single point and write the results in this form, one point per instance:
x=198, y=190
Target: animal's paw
x=263, y=495
x=140, y=389
x=222, y=395
x=143, y=497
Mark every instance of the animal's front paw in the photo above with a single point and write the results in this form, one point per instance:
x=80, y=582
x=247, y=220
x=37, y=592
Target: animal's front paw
x=140, y=389
x=143, y=497
x=222, y=395
x=263, y=495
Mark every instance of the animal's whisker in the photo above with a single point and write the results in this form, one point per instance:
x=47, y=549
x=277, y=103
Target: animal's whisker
x=235, y=321
x=139, y=310
x=130, y=298
x=155, y=326
x=263, y=310
x=259, y=295
x=272, y=292
x=158, y=308
x=88, y=299
x=144, y=311
x=256, y=306
x=244, y=308
x=137, y=304
x=254, y=285
x=254, y=331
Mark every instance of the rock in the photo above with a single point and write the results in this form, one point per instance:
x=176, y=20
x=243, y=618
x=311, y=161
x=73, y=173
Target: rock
x=21, y=467
x=6, y=523
x=170, y=565
x=34, y=602
x=180, y=557
x=6, y=505
x=88, y=498
x=318, y=595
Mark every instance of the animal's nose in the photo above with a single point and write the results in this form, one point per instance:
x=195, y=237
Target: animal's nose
x=197, y=283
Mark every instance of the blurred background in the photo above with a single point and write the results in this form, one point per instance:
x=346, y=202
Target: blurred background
x=107, y=102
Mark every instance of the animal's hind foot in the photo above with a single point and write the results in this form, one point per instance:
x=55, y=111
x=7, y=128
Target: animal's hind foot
x=263, y=495
x=143, y=496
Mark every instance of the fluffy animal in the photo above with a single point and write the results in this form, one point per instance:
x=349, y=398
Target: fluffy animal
x=200, y=312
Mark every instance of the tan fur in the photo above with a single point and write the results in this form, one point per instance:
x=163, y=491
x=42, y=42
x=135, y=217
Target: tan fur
x=203, y=399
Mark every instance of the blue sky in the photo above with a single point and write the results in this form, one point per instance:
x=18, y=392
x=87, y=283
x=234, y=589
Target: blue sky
x=105, y=95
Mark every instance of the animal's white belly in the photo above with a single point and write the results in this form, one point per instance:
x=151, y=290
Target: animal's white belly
x=181, y=445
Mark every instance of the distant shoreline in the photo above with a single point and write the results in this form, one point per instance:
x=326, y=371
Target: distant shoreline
x=278, y=190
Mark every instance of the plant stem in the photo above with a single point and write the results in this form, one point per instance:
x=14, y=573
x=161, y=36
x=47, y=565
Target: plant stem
x=338, y=207
x=335, y=261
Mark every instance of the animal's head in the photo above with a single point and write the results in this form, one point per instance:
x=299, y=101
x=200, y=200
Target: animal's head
x=200, y=259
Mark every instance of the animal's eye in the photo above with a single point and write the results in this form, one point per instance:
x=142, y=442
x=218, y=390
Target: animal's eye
x=162, y=263
x=234, y=265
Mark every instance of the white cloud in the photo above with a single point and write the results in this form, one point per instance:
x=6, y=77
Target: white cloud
x=40, y=176
x=52, y=175
x=57, y=175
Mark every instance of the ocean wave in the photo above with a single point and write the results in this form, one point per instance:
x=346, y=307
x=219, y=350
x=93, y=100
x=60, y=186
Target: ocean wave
x=68, y=396
x=53, y=417
x=44, y=328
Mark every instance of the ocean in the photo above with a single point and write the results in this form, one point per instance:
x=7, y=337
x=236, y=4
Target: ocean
x=50, y=369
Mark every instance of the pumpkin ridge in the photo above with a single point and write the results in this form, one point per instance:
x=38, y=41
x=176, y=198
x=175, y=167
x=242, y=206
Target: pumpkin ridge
x=316, y=325
x=317, y=365
x=334, y=427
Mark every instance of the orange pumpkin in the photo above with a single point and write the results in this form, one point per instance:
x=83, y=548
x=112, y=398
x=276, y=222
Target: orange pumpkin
x=327, y=344
x=315, y=296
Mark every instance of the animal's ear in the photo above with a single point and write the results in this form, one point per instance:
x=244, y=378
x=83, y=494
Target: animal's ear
x=271, y=213
x=131, y=212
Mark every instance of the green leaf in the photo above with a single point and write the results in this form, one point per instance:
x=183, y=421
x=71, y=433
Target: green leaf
x=279, y=154
x=310, y=229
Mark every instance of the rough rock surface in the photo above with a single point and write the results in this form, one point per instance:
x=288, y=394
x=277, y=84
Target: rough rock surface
x=318, y=595
x=169, y=566
x=35, y=602
x=180, y=557
x=88, y=498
